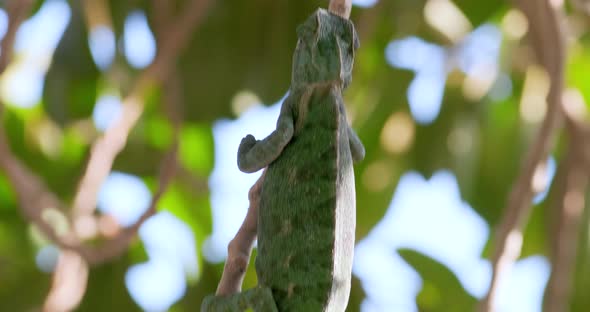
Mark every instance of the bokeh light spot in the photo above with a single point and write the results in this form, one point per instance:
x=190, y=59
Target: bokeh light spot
x=106, y=110
x=425, y=95
x=164, y=235
x=398, y=133
x=574, y=104
x=46, y=258
x=533, y=103
x=36, y=39
x=159, y=283
x=102, y=46
x=364, y=3
x=139, y=42
x=460, y=141
x=542, y=179
x=502, y=88
x=22, y=85
x=155, y=285
x=125, y=197
x=377, y=176
x=243, y=100
x=447, y=18
x=3, y=24
x=514, y=24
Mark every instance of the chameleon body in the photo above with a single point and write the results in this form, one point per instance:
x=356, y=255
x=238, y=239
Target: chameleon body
x=306, y=218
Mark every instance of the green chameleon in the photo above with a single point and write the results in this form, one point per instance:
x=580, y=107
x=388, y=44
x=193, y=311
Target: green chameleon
x=306, y=218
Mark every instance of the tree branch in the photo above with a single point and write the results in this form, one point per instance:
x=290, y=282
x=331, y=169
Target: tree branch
x=17, y=11
x=341, y=7
x=33, y=194
x=568, y=206
x=548, y=43
x=117, y=245
x=68, y=284
x=240, y=248
x=107, y=147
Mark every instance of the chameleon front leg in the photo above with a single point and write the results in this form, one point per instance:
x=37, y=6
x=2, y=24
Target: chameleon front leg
x=356, y=146
x=254, y=155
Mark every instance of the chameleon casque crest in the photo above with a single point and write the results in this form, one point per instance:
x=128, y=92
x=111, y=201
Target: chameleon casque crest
x=307, y=213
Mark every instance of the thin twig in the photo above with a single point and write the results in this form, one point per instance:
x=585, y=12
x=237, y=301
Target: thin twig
x=117, y=245
x=17, y=11
x=33, y=195
x=341, y=7
x=240, y=248
x=580, y=129
x=569, y=207
x=102, y=155
x=68, y=284
x=547, y=40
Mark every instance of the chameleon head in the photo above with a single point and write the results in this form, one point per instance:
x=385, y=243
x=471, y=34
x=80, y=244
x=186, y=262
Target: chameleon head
x=325, y=50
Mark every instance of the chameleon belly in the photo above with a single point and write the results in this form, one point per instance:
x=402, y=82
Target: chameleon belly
x=306, y=235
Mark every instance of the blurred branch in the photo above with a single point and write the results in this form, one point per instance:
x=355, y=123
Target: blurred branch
x=569, y=206
x=548, y=43
x=17, y=10
x=35, y=197
x=69, y=283
x=96, y=13
x=102, y=156
x=106, y=148
x=341, y=7
x=117, y=245
x=580, y=130
x=163, y=14
x=582, y=6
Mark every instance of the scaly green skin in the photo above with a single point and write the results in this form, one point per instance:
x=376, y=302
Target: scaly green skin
x=306, y=219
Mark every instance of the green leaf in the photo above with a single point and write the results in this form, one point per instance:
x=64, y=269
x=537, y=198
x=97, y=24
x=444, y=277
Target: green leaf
x=196, y=148
x=442, y=291
x=7, y=198
x=159, y=131
x=577, y=71
x=73, y=146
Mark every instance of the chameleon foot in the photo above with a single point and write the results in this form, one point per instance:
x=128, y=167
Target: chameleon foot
x=257, y=299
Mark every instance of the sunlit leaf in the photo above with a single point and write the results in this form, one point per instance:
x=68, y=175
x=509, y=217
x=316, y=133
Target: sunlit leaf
x=196, y=148
x=442, y=291
x=159, y=132
x=7, y=197
x=577, y=71
x=73, y=147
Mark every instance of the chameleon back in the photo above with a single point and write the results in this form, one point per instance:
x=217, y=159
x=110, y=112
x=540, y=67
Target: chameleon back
x=306, y=218
x=306, y=222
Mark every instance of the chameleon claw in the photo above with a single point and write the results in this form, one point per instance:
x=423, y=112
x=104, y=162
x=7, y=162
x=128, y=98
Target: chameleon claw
x=247, y=143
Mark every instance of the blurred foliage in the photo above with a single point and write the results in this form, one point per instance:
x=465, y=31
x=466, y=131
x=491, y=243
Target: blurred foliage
x=247, y=45
x=441, y=288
